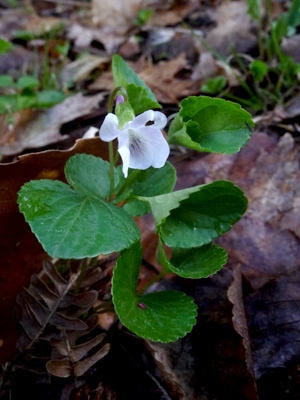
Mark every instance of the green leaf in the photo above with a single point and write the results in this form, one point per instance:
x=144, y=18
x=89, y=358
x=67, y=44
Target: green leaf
x=49, y=98
x=4, y=46
x=140, y=96
x=7, y=103
x=259, y=70
x=27, y=82
x=70, y=224
x=194, y=216
x=290, y=67
x=164, y=316
x=16, y=102
x=25, y=35
x=281, y=27
x=204, y=216
x=150, y=182
x=89, y=175
x=195, y=263
x=212, y=125
x=143, y=16
x=254, y=7
x=294, y=14
x=214, y=86
x=162, y=205
x=25, y=101
x=140, y=100
x=6, y=81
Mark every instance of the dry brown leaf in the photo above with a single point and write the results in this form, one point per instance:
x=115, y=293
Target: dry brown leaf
x=206, y=67
x=175, y=14
x=79, y=70
x=164, y=80
x=38, y=128
x=83, y=36
x=116, y=14
x=40, y=25
x=83, y=366
x=79, y=351
x=175, y=368
x=60, y=368
x=21, y=253
x=12, y=20
x=235, y=296
x=274, y=327
x=233, y=27
x=290, y=110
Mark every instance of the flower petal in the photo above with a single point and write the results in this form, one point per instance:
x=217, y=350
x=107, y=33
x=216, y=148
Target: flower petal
x=160, y=120
x=157, y=146
x=140, y=152
x=109, y=129
x=141, y=120
x=124, y=152
x=147, y=148
x=119, y=99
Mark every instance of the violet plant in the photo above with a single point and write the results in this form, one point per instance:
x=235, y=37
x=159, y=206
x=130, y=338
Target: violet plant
x=94, y=214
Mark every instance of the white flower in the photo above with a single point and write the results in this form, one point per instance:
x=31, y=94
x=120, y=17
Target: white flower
x=140, y=146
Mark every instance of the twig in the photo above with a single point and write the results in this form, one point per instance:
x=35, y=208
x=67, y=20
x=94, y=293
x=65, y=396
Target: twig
x=70, y=3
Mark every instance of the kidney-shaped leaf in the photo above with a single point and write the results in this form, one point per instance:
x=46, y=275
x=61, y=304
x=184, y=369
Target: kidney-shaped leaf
x=74, y=225
x=193, y=217
x=88, y=175
x=212, y=125
x=195, y=263
x=163, y=316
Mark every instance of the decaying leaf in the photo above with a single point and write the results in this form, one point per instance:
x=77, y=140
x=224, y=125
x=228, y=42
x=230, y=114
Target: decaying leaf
x=80, y=69
x=164, y=80
x=84, y=36
x=42, y=127
x=235, y=295
x=171, y=15
x=273, y=317
x=233, y=28
x=116, y=13
x=65, y=367
x=40, y=25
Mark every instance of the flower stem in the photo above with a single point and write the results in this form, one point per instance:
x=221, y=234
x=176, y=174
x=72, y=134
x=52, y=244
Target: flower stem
x=111, y=170
x=150, y=283
x=131, y=178
x=110, y=144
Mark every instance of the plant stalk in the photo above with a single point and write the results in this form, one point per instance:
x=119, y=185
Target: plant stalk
x=150, y=283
